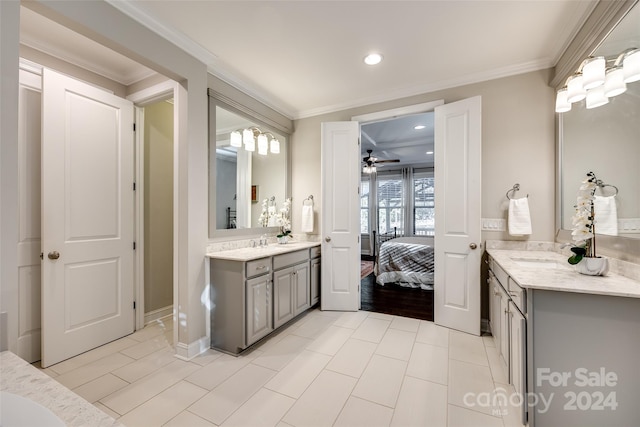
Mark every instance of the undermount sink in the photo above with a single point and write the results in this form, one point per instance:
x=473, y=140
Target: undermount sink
x=20, y=411
x=538, y=263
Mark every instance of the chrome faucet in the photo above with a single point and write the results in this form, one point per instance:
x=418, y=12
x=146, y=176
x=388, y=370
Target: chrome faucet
x=263, y=241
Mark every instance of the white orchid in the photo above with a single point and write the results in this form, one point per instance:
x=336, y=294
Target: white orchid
x=583, y=220
x=283, y=218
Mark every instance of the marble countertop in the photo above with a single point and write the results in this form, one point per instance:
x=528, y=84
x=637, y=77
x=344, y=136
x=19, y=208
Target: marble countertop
x=20, y=378
x=554, y=274
x=248, y=254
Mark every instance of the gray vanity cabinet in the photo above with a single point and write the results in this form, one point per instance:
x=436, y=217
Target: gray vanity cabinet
x=283, y=288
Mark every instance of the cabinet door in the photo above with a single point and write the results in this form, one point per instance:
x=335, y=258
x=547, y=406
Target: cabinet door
x=283, y=283
x=518, y=354
x=315, y=281
x=259, y=314
x=504, y=329
x=302, y=295
x=494, y=309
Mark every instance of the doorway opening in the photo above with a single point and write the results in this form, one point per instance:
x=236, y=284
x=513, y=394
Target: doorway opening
x=397, y=208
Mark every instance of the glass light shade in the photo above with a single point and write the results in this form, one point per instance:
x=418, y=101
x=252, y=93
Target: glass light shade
x=275, y=146
x=249, y=140
x=614, y=83
x=575, y=91
x=235, y=139
x=263, y=144
x=631, y=66
x=593, y=72
x=596, y=97
x=562, y=104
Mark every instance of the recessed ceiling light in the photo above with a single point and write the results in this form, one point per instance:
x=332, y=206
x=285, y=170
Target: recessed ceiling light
x=429, y=152
x=373, y=59
x=418, y=127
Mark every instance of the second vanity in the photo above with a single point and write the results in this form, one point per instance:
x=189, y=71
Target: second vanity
x=254, y=291
x=569, y=343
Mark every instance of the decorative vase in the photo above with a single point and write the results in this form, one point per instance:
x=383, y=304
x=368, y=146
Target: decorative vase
x=598, y=266
x=283, y=239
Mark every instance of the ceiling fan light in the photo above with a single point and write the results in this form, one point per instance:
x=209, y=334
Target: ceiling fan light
x=614, y=83
x=562, y=104
x=593, y=72
x=631, y=66
x=275, y=146
x=596, y=97
x=575, y=90
x=235, y=139
x=263, y=144
x=373, y=59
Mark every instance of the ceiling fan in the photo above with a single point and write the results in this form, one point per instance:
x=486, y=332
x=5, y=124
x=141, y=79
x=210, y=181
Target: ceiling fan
x=370, y=162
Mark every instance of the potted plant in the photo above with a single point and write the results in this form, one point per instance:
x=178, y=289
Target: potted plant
x=584, y=232
x=284, y=221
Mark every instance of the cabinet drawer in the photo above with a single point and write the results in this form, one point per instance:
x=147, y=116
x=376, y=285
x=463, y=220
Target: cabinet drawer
x=315, y=252
x=291, y=258
x=501, y=275
x=259, y=266
x=518, y=295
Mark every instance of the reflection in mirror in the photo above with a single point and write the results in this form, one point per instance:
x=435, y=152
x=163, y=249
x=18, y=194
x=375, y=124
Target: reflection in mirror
x=605, y=140
x=245, y=172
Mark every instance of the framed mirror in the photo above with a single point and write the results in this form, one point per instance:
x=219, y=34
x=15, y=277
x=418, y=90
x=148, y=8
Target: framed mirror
x=605, y=140
x=246, y=177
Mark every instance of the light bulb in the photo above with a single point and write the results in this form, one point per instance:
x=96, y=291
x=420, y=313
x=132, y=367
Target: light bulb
x=596, y=97
x=263, y=144
x=614, y=83
x=593, y=72
x=631, y=66
x=562, y=104
x=275, y=146
x=575, y=90
x=235, y=139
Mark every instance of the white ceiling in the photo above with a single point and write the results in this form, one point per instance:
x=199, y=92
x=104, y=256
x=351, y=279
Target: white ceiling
x=304, y=58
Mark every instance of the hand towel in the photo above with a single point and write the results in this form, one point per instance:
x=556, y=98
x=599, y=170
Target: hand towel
x=519, y=217
x=606, y=215
x=271, y=212
x=307, y=219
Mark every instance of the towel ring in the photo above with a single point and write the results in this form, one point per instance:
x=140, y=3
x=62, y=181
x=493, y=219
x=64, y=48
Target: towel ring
x=308, y=199
x=601, y=184
x=516, y=187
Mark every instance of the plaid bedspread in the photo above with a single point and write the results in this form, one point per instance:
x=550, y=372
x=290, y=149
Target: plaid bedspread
x=405, y=263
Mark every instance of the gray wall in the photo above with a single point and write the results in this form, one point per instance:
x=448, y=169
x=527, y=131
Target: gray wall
x=158, y=206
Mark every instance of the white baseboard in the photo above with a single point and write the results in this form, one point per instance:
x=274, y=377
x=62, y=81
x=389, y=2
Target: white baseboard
x=158, y=314
x=188, y=352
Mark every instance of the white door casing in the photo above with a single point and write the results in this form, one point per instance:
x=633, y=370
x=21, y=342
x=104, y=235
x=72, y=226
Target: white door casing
x=87, y=217
x=340, y=177
x=458, y=158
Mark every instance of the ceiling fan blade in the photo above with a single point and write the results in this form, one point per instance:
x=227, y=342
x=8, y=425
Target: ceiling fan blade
x=388, y=161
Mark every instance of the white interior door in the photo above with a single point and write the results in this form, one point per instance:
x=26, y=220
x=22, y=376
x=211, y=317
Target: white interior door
x=87, y=217
x=340, y=232
x=458, y=159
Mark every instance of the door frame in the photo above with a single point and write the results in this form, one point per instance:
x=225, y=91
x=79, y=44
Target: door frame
x=160, y=92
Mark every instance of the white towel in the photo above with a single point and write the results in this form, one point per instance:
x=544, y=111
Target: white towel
x=519, y=217
x=271, y=222
x=606, y=215
x=307, y=219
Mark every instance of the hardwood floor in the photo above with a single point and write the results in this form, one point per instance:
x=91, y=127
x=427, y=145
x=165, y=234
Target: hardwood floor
x=396, y=300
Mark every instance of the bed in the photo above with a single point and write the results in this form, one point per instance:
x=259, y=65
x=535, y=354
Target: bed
x=406, y=261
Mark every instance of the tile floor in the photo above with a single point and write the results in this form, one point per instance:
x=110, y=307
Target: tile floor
x=324, y=369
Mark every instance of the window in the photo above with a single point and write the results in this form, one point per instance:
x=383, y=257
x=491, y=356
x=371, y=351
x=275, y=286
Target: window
x=364, y=205
x=390, y=203
x=423, y=205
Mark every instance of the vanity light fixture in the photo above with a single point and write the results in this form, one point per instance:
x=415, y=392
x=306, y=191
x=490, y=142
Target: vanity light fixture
x=249, y=136
x=597, y=81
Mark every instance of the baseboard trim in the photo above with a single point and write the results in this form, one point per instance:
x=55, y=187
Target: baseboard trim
x=158, y=314
x=189, y=351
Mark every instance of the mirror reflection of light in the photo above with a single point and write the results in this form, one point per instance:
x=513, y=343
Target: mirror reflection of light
x=206, y=298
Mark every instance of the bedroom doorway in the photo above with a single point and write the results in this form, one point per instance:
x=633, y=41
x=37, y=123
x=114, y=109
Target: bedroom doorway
x=397, y=202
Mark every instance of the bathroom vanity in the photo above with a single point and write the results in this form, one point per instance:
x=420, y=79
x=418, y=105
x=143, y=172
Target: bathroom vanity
x=568, y=342
x=254, y=291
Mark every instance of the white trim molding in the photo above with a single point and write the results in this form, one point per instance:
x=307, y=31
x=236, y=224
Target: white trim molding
x=188, y=352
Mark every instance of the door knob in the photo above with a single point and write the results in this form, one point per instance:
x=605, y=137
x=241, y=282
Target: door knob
x=327, y=239
x=54, y=255
x=473, y=245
